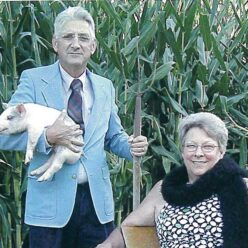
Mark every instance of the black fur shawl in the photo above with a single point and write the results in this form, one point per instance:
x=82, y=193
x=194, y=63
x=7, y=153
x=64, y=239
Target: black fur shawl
x=225, y=180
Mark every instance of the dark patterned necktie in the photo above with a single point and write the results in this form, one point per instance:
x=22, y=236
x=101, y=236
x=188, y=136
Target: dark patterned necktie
x=74, y=108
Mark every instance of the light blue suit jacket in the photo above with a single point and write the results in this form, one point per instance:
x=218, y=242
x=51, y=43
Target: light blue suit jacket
x=51, y=203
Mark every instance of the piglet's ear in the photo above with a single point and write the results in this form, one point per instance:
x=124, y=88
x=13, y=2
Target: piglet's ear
x=4, y=105
x=21, y=109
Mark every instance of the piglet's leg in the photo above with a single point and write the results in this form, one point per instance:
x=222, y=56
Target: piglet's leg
x=55, y=166
x=33, y=136
x=42, y=168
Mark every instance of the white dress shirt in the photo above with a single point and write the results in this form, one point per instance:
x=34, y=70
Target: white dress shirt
x=87, y=103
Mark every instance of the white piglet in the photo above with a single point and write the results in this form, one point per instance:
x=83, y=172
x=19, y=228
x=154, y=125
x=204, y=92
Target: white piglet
x=33, y=118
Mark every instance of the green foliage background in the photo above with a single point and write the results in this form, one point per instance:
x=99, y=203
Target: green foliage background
x=185, y=56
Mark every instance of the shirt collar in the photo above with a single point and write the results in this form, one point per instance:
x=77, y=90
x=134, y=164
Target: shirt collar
x=67, y=78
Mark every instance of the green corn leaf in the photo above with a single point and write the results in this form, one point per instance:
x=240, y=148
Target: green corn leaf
x=205, y=31
x=160, y=72
x=243, y=152
x=160, y=150
x=239, y=38
x=110, y=11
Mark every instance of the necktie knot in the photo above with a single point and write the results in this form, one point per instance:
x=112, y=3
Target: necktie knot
x=76, y=84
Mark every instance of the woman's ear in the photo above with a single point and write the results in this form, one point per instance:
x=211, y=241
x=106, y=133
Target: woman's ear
x=222, y=153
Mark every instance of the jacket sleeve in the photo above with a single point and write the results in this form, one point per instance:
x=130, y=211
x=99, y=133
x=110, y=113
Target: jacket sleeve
x=116, y=139
x=25, y=93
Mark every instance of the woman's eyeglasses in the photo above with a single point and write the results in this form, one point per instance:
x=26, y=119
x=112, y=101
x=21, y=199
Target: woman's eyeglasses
x=205, y=148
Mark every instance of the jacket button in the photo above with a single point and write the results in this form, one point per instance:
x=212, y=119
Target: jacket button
x=74, y=176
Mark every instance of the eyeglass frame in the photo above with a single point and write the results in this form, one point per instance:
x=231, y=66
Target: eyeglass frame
x=71, y=37
x=201, y=146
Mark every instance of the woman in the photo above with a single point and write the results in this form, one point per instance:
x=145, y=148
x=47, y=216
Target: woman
x=203, y=203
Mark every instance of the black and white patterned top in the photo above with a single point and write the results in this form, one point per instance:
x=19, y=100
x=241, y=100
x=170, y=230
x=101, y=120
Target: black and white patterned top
x=199, y=226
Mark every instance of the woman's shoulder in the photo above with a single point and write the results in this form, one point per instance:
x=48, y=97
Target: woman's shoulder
x=159, y=201
x=154, y=195
x=155, y=192
x=145, y=214
x=157, y=186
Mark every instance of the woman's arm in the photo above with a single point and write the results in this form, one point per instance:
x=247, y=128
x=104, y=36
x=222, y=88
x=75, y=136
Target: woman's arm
x=144, y=215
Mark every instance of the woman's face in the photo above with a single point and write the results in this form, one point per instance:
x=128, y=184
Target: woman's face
x=200, y=153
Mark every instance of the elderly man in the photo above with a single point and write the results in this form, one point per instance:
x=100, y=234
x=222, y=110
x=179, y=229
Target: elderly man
x=75, y=208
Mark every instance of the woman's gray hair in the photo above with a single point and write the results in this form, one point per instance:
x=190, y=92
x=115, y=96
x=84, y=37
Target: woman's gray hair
x=73, y=14
x=210, y=123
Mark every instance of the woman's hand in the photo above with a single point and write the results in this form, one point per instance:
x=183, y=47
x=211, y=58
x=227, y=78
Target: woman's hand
x=115, y=240
x=108, y=245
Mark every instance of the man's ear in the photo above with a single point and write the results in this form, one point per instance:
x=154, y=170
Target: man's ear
x=55, y=44
x=93, y=47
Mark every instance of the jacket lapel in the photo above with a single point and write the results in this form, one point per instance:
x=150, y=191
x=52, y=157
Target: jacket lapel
x=99, y=101
x=52, y=88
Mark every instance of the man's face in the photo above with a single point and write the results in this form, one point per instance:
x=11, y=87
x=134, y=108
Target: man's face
x=74, y=46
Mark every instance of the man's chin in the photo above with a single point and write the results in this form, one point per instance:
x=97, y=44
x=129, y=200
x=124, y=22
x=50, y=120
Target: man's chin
x=75, y=63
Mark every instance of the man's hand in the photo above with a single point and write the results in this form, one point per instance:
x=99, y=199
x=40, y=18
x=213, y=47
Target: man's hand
x=139, y=145
x=61, y=134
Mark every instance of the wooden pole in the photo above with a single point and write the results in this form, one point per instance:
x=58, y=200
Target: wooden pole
x=137, y=160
